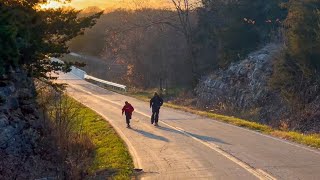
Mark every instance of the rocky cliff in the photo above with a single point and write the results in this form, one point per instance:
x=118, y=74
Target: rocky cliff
x=22, y=154
x=243, y=90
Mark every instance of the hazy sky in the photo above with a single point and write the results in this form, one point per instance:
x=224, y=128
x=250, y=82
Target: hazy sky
x=111, y=4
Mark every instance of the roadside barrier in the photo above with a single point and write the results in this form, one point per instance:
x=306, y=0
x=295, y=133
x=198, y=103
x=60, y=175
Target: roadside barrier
x=83, y=75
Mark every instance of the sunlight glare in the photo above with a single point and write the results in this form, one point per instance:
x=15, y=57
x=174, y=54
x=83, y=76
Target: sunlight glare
x=51, y=5
x=110, y=4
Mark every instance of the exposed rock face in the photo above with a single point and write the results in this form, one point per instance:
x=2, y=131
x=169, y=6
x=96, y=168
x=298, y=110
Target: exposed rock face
x=243, y=88
x=20, y=131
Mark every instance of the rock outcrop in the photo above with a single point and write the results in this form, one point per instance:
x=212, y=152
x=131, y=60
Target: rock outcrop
x=21, y=155
x=242, y=89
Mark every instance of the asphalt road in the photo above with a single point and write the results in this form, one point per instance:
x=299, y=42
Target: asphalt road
x=188, y=146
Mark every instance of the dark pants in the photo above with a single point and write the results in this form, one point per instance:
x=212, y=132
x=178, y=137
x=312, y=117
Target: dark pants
x=128, y=117
x=155, y=116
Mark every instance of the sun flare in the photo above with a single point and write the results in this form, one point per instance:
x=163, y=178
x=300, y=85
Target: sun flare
x=109, y=4
x=51, y=5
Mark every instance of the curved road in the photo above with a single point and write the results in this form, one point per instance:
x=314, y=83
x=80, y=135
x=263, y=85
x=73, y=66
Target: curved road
x=188, y=146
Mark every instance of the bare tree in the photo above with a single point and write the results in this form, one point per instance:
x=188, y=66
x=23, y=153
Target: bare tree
x=184, y=26
x=183, y=8
x=143, y=38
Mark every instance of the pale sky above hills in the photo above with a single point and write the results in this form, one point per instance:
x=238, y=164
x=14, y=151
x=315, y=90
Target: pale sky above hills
x=113, y=4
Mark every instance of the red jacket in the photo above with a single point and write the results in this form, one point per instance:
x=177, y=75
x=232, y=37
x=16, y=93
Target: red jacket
x=128, y=109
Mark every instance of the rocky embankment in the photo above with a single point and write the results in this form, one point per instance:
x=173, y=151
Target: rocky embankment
x=22, y=152
x=243, y=90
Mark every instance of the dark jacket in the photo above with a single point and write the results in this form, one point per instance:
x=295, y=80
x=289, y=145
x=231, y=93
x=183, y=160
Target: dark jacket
x=156, y=102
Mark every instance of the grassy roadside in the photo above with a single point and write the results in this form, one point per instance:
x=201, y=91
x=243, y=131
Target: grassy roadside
x=312, y=140
x=110, y=151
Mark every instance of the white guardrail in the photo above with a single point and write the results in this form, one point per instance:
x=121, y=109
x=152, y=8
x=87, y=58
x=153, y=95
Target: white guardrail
x=112, y=84
x=83, y=75
x=78, y=72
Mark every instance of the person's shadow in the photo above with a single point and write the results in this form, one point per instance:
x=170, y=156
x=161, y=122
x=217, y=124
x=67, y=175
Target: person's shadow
x=204, y=138
x=150, y=135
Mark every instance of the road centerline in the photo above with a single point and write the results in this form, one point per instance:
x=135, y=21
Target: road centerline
x=256, y=172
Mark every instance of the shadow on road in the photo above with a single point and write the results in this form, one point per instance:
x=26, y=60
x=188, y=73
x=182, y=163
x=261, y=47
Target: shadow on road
x=204, y=138
x=209, y=139
x=179, y=119
x=95, y=90
x=150, y=135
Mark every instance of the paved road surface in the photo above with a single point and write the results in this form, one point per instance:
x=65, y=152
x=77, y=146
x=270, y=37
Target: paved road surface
x=187, y=146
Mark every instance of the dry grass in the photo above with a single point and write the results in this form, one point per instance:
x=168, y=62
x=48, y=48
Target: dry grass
x=87, y=145
x=74, y=149
x=111, y=156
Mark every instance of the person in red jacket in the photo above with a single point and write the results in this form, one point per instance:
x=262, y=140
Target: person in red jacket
x=127, y=110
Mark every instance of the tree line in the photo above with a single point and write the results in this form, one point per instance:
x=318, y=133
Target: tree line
x=30, y=34
x=155, y=44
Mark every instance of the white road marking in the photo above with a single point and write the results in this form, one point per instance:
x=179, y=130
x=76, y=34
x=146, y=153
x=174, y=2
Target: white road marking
x=216, y=148
x=316, y=151
x=274, y=138
x=256, y=172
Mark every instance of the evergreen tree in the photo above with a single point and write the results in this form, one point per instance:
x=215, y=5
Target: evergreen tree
x=29, y=35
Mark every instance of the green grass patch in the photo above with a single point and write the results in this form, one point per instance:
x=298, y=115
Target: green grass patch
x=111, y=153
x=147, y=94
x=312, y=140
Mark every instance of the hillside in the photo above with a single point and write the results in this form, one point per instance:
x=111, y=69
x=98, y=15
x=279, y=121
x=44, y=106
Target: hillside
x=243, y=90
x=237, y=72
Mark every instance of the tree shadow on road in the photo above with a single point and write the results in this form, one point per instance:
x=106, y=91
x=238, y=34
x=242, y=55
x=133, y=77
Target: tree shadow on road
x=150, y=135
x=97, y=91
x=201, y=137
x=179, y=119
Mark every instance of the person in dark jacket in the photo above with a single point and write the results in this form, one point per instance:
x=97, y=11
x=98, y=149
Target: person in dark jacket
x=128, y=109
x=155, y=103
